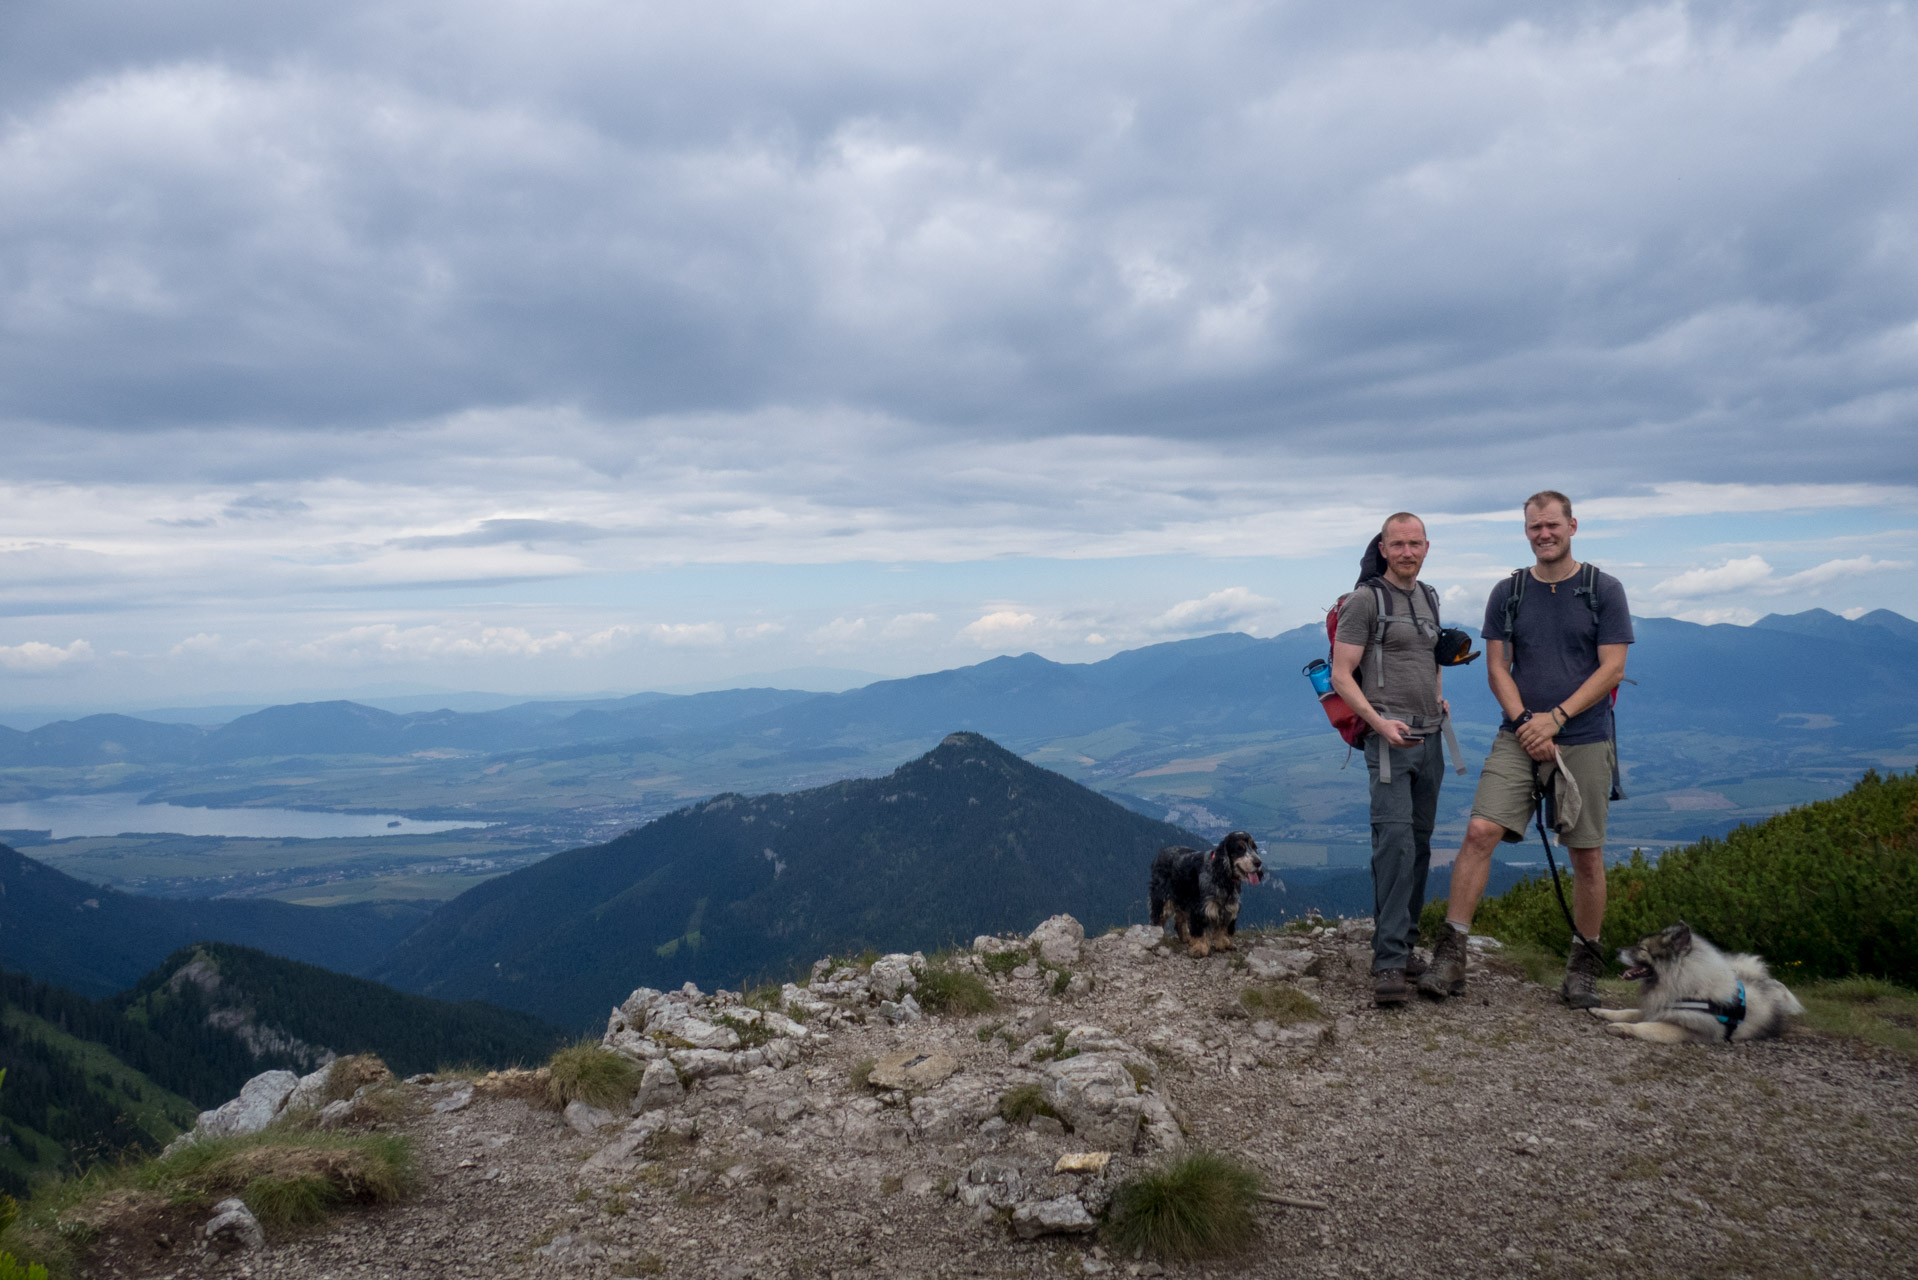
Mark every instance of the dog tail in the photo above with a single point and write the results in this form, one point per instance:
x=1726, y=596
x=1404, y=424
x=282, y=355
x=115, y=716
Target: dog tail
x=1753, y=971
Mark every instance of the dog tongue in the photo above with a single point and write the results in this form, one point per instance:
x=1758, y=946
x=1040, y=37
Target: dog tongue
x=1253, y=878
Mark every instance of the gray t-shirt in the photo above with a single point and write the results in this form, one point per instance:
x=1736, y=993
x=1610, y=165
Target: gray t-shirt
x=1410, y=668
x=1555, y=646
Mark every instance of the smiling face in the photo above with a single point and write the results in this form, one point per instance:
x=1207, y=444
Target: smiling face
x=1550, y=531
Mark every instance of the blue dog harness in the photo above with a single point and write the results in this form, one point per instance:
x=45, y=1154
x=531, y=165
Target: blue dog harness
x=1728, y=1013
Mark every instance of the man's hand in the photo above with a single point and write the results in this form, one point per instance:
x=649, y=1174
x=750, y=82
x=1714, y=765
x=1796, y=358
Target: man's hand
x=1399, y=734
x=1445, y=707
x=1536, y=736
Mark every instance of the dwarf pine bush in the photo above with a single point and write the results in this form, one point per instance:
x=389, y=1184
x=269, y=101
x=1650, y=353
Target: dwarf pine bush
x=1828, y=890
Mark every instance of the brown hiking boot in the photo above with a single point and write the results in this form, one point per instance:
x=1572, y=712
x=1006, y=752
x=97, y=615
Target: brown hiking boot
x=1446, y=977
x=1388, y=988
x=1582, y=967
x=1414, y=967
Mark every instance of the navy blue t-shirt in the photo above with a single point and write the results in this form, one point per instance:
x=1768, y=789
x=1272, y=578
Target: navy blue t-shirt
x=1555, y=646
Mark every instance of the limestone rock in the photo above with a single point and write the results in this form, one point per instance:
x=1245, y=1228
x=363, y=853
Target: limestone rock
x=310, y=1093
x=335, y=1114
x=1274, y=963
x=587, y=1120
x=457, y=1100
x=891, y=976
x=1159, y=1130
x=659, y=1087
x=987, y=945
x=902, y=1013
x=1059, y=940
x=233, y=1227
x=1096, y=1095
x=259, y=1102
x=917, y=1069
x=1065, y=1215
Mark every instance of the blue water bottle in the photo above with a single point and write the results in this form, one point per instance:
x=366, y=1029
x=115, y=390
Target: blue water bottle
x=1320, y=675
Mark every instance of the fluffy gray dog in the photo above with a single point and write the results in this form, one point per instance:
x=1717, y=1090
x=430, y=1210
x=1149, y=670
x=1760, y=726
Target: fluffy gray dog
x=1694, y=992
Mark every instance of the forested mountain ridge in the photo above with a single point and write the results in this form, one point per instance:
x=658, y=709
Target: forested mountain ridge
x=97, y=941
x=91, y=1078
x=966, y=839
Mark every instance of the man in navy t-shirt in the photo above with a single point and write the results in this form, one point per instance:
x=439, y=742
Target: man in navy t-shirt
x=1553, y=677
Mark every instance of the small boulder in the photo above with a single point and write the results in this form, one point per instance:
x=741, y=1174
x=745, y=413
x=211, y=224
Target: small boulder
x=658, y=1087
x=588, y=1120
x=259, y=1102
x=233, y=1228
x=1064, y=1215
x=1274, y=963
x=913, y=1069
x=1059, y=940
x=891, y=976
x=1097, y=1096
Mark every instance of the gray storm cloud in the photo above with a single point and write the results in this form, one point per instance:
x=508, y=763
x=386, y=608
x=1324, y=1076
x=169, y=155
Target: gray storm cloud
x=1661, y=230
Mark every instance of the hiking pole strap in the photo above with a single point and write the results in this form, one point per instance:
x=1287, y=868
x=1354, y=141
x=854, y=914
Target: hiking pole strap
x=1538, y=811
x=1385, y=758
x=1451, y=744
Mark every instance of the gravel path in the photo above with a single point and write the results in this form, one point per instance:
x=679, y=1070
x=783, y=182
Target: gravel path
x=1493, y=1135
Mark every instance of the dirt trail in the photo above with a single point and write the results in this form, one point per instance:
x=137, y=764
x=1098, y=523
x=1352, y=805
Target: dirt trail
x=1497, y=1134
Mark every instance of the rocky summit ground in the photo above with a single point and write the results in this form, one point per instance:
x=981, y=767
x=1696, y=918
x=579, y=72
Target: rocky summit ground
x=1497, y=1134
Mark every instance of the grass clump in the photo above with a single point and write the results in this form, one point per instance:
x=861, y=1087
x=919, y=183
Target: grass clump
x=1001, y=963
x=1280, y=1004
x=1055, y=1050
x=862, y=1073
x=943, y=990
x=598, y=1077
x=1869, y=1009
x=1197, y=1206
x=1018, y=1106
x=11, y=1268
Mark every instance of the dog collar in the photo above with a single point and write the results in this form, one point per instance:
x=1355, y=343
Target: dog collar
x=1729, y=1013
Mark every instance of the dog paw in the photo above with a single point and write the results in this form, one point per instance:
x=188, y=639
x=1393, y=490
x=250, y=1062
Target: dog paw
x=1621, y=1029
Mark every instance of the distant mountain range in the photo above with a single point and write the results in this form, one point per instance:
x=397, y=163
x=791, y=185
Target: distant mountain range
x=1791, y=665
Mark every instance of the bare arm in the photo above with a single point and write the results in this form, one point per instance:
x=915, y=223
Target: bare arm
x=1539, y=732
x=1498, y=673
x=1345, y=664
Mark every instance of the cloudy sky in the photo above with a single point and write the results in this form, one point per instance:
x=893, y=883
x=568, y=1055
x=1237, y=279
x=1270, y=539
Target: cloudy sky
x=581, y=346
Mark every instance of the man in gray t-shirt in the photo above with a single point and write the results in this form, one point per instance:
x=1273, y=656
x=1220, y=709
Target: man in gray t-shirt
x=1395, y=688
x=1553, y=676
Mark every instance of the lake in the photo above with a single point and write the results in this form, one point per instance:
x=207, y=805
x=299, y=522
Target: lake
x=110, y=813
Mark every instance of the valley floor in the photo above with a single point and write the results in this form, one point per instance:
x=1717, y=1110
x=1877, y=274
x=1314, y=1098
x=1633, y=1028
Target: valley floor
x=1493, y=1135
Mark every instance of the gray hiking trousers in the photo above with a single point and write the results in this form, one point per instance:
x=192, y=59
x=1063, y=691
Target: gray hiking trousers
x=1404, y=810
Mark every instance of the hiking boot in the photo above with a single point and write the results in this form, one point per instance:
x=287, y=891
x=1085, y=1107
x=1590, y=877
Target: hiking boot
x=1582, y=968
x=1388, y=988
x=1446, y=977
x=1414, y=967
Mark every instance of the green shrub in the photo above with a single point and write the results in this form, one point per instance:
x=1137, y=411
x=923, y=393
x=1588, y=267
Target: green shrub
x=592, y=1075
x=1828, y=890
x=1197, y=1206
x=1280, y=1004
x=943, y=990
x=12, y=1269
x=862, y=1073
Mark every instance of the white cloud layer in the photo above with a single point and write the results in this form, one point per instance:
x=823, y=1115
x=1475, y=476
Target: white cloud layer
x=410, y=333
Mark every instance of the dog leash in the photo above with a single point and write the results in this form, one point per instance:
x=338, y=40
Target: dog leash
x=1538, y=812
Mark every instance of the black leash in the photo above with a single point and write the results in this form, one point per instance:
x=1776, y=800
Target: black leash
x=1538, y=811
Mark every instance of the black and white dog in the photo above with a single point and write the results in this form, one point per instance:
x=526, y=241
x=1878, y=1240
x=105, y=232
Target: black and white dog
x=1202, y=890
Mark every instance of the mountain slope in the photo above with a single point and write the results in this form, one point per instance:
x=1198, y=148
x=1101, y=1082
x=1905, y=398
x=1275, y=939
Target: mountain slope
x=97, y=941
x=966, y=839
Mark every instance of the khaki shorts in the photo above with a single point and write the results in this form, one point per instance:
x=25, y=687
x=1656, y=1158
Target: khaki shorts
x=1504, y=791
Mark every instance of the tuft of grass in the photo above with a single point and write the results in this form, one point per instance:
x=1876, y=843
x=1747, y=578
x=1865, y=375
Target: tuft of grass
x=1198, y=1206
x=1061, y=979
x=943, y=990
x=1018, y=1106
x=1869, y=1009
x=999, y=964
x=584, y=1072
x=1280, y=1004
x=751, y=1034
x=1055, y=1051
x=862, y=1073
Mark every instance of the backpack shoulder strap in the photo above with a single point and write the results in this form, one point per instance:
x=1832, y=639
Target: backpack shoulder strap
x=1588, y=585
x=1431, y=599
x=1382, y=605
x=1512, y=598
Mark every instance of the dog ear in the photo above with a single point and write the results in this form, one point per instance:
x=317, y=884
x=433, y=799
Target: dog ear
x=1679, y=938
